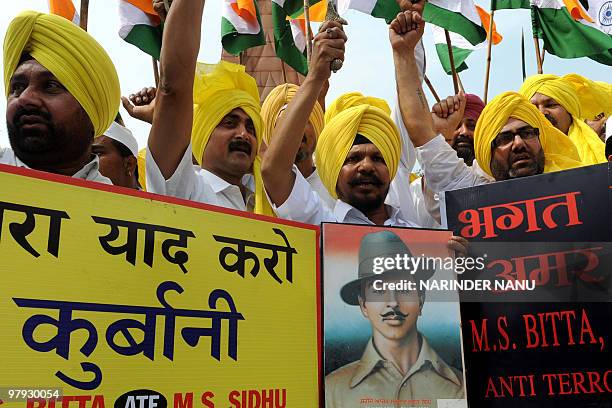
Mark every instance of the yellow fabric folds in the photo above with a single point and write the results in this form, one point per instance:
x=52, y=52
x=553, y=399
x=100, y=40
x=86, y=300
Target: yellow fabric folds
x=73, y=56
x=559, y=151
x=277, y=101
x=339, y=133
x=351, y=99
x=217, y=90
x=583, y=99
x=142, y=168
x=595, y=97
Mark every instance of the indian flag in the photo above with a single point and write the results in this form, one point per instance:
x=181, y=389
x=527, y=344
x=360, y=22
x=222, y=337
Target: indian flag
x=64, y=8
x=386, y=9
x=140, y=26
x=290, y=38
x=459, y=16
x=509, y=4
x=241, y=26
x=461, y=47
x=574, y=29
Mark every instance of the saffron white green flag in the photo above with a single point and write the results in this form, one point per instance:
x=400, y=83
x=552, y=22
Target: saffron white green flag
x=241, y=26
x=461, y=47
x=459, y=16
x=290, y=39
x=386, y=9
x=509, y=4
x=570, y=29
x=64, y=8
x=140, y=25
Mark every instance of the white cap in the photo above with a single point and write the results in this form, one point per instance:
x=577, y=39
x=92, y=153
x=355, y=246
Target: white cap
x=608, y=128
x=124, y=136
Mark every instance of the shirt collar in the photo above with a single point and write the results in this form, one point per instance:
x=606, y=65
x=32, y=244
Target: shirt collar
x=89, y=169
x=371, y=360
x=218, y=184
x=88, y=172
x=342, y=211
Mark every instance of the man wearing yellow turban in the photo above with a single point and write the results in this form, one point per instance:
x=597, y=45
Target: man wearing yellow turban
x=358, y=152
x=220, y=127
x=566, y=102
x=62, y=90
x=225, y=140
x=272, y=110
x=512, y=138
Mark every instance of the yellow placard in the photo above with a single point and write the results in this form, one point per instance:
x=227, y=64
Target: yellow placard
x=141, y=301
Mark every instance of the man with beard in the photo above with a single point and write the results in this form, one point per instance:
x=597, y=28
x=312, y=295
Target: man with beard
x=461, y=136
x=62, y=90
x=357, y=155
x=398, y=363
x=272, y=109
x=566, y=102
x=512, y=138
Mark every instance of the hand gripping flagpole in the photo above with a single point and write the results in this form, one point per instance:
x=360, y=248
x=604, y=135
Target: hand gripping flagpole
x=332, y=15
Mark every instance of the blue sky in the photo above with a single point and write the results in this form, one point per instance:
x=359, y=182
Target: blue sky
x=368, y=66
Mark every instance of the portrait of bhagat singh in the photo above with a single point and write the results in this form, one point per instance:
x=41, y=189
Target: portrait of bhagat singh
x=398, y=363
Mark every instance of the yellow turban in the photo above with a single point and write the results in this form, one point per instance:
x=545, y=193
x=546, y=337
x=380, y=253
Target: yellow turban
x=73, y=56
x=217, y=90
x=339, y=134
x=277, y=101
x=351, y=99
x=559, y=151
x=142, y=169
x=578, y=96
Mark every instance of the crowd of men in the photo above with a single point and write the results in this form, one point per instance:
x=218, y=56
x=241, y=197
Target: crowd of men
x=212, y=141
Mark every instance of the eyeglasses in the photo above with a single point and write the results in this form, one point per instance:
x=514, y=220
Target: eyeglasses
x=506, y=138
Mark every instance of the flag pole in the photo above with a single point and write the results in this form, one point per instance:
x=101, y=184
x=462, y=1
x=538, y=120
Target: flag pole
x=536, y=43
x=538, y=56
x=452, y=61
x=84, y=14
x=155, y=71
x=431, y=88
x=523, y=54
x=490, y=46
x=308, y=30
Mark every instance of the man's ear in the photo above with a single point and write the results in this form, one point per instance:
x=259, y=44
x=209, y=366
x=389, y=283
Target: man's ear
x=130, y=163
x=362, y=306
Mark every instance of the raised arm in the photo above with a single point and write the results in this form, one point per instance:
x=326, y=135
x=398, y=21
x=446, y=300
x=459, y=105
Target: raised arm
x=171, y=130
x=405, y=32
x=276, y=168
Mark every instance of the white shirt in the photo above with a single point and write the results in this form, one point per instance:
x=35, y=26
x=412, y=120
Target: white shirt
x=193, y=183
x=445, y=171
x=305, y=205
x=317, y=185
x=90, y=172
